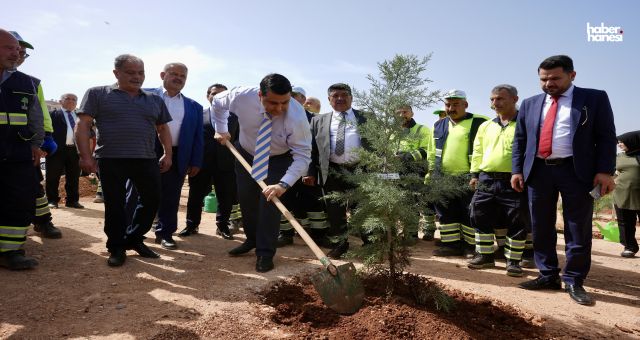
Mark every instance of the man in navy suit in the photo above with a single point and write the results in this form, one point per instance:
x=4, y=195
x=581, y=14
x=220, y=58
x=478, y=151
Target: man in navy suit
x=565, y=143
x=66, y=159
x=186, y=134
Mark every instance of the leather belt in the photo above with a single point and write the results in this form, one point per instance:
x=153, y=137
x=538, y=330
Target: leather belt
x=556, y=161
x=497, y=175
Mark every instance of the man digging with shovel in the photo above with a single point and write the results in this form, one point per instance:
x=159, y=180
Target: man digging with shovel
x=274, y=138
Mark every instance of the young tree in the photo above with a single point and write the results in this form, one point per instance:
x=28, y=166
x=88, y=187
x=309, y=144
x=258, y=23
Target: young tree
x=390, y=192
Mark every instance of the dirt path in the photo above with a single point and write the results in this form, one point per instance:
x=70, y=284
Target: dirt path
x=198, y=292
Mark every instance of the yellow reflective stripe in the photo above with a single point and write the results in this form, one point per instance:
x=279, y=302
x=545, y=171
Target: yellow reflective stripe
x=450, y=227
x=484, y=249
x=9, y=246
x=316, y=215
x=17, y=119
x=41, y=200
x=319, y=224
x=303, y=221
x=484, y=238
x=3, y=118
x=515, y=244
x=12, y=231
x=449, y=237
x=43, y=211
x=512, y=254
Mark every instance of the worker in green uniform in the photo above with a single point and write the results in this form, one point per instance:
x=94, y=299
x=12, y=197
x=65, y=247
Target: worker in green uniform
x=494, y=202
x=451, y=156
x=413, y=151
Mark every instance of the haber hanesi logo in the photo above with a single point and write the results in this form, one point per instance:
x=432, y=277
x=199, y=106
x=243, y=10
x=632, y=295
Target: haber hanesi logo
x=604, y=33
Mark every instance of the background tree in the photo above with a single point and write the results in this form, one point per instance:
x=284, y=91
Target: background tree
x=387, y=206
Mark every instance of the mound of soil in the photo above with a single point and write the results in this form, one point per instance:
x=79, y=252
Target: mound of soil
x=408, y=314
x=87, y=186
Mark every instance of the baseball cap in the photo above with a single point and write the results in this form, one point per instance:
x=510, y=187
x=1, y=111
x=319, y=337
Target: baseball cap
x=457, y=94
x=298, y=89
x=20, y=40
x=439, y=111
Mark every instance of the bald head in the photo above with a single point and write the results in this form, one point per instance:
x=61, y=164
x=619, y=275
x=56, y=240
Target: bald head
x=312, y=104
x=9, y=51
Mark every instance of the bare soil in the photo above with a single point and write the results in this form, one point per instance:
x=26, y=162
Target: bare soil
x=198, y=292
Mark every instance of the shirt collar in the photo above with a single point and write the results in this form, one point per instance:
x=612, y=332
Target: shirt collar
x=165, y=93
x=568, y=93
x=349, y=113
x=115, y=86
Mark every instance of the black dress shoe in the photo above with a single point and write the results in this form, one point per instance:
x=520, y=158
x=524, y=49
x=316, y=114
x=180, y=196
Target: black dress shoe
x=225, y=234
x=542, y=282
x=264, y=264
x=242, y=249
x=117, y=258
x=339, y=250
x=578, y=294
x=188, y=231
x=47, y=230
x=144, y=251
x=74, y=205
x=166, y=242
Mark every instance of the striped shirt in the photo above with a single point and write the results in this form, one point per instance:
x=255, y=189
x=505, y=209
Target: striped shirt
x=125, y=125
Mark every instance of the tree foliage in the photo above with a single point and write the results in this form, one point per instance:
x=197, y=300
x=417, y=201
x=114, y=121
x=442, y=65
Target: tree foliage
x=388, y=210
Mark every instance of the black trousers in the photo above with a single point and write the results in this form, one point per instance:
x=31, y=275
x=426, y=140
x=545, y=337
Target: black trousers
x=544, y=185
x=64, y=161
x=224, y=181
x=495, y=205
x=18, y=185
x=261, y=219
x=304, y=199
x=145, y=175
x=627, y=223
x=43, y=213
x=337, y=212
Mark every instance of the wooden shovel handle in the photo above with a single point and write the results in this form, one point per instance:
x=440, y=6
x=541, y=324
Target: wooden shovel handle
x=303, y=233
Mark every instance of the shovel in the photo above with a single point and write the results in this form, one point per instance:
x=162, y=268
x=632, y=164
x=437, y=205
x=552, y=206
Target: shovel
x=338, y=286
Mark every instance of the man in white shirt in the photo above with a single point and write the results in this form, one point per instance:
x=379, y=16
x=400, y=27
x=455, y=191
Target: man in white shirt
x=275, y=139
x=65, y=159
x=337, y=139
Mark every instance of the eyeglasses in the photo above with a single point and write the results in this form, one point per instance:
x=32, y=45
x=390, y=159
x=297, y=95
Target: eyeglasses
x=340, y=95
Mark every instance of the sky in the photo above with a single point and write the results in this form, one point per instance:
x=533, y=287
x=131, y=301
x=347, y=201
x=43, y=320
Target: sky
x=475, y=45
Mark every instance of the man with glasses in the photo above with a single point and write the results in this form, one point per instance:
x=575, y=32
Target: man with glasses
x=337, y=140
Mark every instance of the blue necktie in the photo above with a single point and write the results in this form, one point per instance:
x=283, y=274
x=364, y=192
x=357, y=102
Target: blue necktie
x=260, y=167
x=71, y=119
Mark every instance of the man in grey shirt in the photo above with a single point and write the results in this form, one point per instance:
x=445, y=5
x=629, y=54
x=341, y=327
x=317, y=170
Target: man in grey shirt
x=127, y=120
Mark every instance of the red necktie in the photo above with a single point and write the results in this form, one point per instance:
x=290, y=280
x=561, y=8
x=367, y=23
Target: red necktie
x=546, y=135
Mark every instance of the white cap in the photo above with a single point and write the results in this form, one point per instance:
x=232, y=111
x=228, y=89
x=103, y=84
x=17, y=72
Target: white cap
x=298, y=89
x=457, y=94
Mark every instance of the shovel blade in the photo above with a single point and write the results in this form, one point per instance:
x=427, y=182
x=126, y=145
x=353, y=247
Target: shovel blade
x=344, y=292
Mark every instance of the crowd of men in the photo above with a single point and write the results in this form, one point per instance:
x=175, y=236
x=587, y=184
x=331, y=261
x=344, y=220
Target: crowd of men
x=560, y=142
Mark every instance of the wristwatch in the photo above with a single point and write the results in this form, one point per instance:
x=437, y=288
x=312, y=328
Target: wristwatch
x=284, y=185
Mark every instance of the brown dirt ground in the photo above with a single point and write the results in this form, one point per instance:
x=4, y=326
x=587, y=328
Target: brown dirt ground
x=198, y=292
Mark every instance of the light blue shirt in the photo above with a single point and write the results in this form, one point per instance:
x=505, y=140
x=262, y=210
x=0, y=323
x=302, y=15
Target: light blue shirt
x=289, y=131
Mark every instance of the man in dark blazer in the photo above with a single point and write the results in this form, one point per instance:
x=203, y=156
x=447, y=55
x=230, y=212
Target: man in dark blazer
x=565, y=143
x=66, y=159
x=336, y=139
x=217, y=169
x=186, y=131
